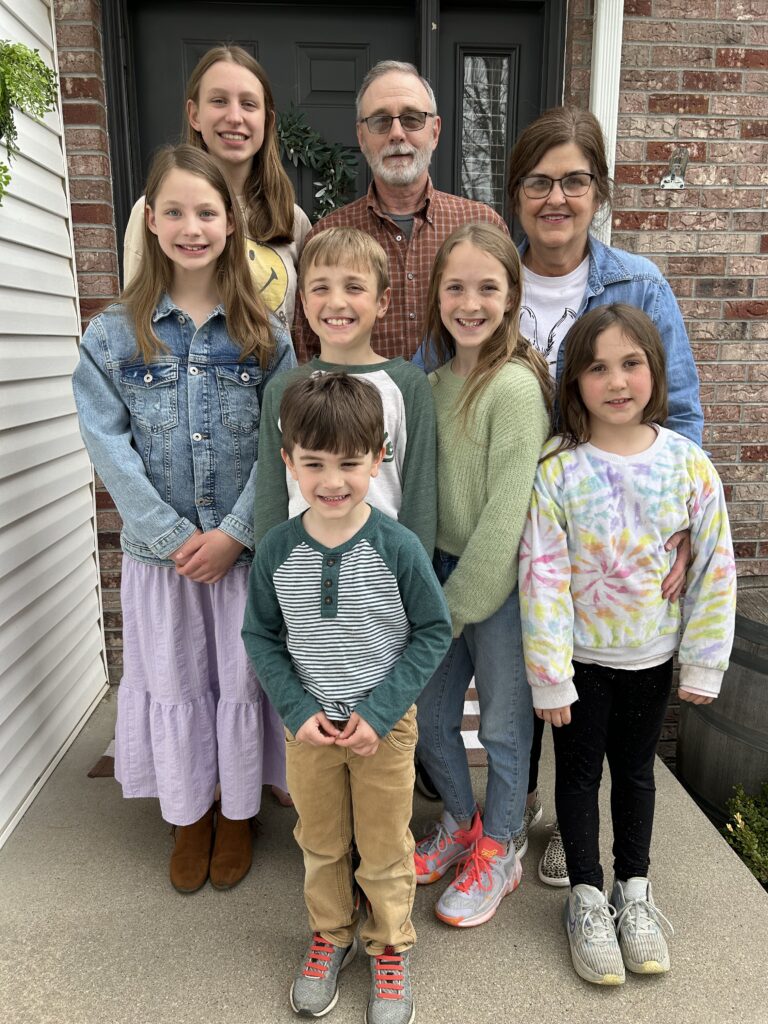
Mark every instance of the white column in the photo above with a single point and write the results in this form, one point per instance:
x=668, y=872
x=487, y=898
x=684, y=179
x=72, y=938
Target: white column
x=604, y=88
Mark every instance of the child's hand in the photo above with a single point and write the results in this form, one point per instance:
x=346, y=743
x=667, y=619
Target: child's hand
x=207, y=557
x=317, y=731
x=555, y=716
x=693, y=698
x=360, y=737
x=673, y=584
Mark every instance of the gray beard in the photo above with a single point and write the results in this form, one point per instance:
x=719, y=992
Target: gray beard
x=405, y=175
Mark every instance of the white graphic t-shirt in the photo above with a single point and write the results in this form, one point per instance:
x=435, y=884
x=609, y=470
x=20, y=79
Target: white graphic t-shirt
x=550, y=307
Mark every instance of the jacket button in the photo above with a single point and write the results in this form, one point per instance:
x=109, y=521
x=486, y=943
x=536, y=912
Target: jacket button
x=182, y=320
x=148, y=378
x=194, y=370
x=197, y=437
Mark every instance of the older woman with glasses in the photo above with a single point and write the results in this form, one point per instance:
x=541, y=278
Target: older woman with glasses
x=558, y=180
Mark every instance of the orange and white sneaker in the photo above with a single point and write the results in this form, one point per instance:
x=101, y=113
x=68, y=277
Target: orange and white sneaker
x=444, y=846
x=482, y=881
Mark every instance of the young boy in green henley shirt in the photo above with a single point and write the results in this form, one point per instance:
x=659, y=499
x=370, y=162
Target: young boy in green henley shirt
x=344, y=288
x=345, y=623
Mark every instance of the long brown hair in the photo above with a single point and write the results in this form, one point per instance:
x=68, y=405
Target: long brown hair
x=269, y=197
x=247, y=317
x=557, y=127
x=506, y=344
x=579, y=344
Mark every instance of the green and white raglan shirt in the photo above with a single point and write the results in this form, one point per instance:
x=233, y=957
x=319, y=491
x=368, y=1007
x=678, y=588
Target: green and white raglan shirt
x=361, y=627
x=405, y=487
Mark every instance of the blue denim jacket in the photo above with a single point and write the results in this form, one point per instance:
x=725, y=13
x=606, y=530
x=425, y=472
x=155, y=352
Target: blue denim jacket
x=618, y=276
x=175, y=441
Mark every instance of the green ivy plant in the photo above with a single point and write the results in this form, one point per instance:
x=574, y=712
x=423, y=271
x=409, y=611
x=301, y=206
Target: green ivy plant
x=27, y=84
x=335, y=165
x=747, y=831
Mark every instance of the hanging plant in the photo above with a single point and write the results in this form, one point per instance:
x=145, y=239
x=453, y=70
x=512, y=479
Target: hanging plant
x=335, y=166
x=27, y=84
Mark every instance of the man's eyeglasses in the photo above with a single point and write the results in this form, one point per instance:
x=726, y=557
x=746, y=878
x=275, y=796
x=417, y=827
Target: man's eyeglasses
x=410, y=121
x=538, y=186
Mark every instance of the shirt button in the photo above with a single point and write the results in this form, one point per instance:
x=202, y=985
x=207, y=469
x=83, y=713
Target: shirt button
x=197, y=437
x=411, y=316
x=411, y=276
x=327, y=583
x=328, y=600
x=398, y=238
x=331, y=561
x=245, y=377
x=194, y=370
x=148, y=378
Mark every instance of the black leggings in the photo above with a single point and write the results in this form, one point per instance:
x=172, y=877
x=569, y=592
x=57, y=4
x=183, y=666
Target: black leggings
x=619, y=715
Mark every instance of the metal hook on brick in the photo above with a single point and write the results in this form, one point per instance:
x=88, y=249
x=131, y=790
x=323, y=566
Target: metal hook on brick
x=677, y=165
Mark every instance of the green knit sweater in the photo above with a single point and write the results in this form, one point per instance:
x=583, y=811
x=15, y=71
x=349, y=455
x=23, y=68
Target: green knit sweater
x=485, y=477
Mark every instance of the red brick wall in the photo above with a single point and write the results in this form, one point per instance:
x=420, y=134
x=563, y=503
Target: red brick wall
x=78, y=37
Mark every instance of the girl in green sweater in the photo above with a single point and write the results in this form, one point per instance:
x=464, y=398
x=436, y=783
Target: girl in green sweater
x=491, y=401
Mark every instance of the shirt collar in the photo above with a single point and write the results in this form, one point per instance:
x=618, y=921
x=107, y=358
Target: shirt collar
x=372, y=200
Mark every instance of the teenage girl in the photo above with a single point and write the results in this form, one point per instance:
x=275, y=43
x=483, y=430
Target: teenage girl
x=491, y=400
x=168, y=389
x=599, y=635
x=230, y=113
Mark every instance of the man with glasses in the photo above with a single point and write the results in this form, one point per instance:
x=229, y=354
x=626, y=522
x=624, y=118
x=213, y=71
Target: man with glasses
x=398, y=128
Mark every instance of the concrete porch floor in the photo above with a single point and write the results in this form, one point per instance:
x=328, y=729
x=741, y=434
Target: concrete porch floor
x=91, y=931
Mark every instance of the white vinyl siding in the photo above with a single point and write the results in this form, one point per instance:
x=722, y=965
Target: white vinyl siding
x=52, y=668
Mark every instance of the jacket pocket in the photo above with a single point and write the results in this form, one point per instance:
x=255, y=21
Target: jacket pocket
x=238, y=395
x=152, y=394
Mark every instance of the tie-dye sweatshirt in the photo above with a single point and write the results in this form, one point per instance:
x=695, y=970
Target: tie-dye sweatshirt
x=592, y=562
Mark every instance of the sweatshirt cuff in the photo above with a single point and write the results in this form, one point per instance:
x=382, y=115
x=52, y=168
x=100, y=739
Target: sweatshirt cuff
x=557, y=695
x=705, y=682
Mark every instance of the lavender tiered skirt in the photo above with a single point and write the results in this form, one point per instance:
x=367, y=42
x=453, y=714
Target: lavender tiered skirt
x=190, y=710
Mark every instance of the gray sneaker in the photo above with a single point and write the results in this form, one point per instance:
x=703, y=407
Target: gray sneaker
x=595, y=952
x=315, y=988
x=552, y=867
x=640, y=926
x=530, y=818
x=391, y=1000
x=487, y=875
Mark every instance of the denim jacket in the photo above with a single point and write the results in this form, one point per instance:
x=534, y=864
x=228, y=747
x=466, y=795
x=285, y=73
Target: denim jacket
x=175, y=441
x=618, y=276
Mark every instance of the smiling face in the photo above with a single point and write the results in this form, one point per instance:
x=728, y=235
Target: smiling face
x=190, y=220
x=617, y=385
x=398, y=157
x=557, y=227
x=474, y=295
x=229, y=114
x=342, y=304
x=333, y=485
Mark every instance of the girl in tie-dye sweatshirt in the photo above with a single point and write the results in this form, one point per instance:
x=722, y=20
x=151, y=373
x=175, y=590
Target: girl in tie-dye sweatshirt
x=598, y=635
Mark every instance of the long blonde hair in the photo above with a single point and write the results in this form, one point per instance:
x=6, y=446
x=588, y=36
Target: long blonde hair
x=269, y=197
x=506, y=344
x=247, y=317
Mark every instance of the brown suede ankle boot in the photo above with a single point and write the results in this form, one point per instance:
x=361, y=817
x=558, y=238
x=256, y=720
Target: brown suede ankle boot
x=191, y=855
x=232, y=852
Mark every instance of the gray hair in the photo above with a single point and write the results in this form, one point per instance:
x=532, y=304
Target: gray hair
x=385, y=67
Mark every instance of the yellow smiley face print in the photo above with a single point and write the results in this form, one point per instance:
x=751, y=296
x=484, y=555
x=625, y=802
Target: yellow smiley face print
x=268, y=272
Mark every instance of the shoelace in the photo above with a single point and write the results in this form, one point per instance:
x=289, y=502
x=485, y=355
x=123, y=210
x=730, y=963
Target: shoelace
x=319, y=957
x=389, y=975
x=474, y=870
x=646, y=917
x=436, y=842
x=597, y=922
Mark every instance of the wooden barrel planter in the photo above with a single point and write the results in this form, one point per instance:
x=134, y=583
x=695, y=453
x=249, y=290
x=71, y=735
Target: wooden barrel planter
x=725, y=743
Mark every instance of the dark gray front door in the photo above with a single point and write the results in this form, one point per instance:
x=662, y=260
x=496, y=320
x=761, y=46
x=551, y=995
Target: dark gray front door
x=315, y=55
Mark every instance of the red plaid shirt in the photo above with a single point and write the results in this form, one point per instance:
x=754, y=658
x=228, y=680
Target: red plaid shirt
x=401, y=331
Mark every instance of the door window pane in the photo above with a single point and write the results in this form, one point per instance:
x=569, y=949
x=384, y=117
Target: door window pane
x=484, y=127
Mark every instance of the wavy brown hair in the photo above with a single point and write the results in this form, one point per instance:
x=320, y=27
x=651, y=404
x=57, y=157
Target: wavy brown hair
x=557, y=127
x=579, y=344
x=247, y=317
x=269, y=196
x=506, y=344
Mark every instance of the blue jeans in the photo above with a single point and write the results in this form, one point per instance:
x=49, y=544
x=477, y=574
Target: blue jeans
x=493, y=651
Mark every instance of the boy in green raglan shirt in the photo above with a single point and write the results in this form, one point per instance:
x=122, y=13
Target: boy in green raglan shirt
x=345, y=624
x=344, y=288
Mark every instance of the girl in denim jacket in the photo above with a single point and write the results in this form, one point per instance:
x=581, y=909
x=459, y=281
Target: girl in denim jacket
x=168, y=389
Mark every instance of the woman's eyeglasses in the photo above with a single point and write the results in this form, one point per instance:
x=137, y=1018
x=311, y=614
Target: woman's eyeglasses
x=410, y=121
x=538, y=186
